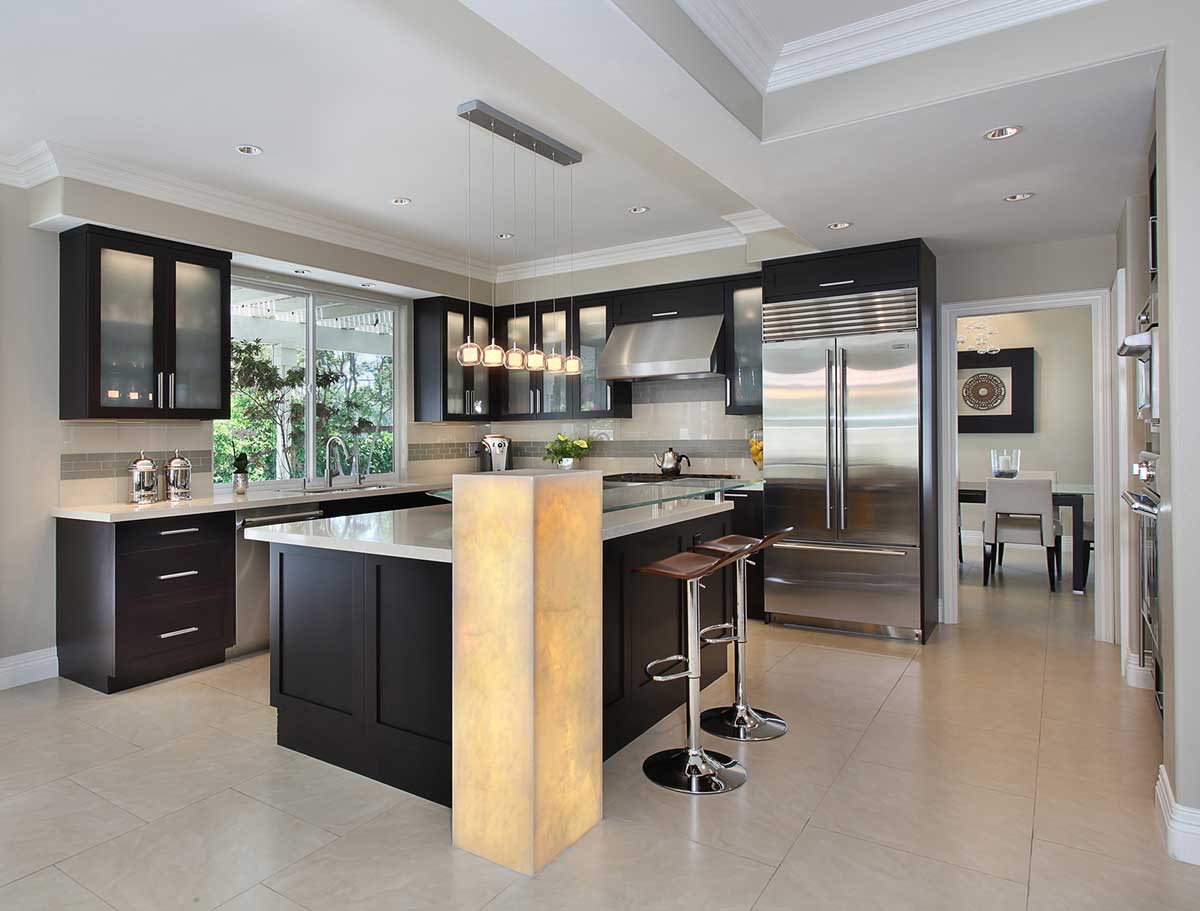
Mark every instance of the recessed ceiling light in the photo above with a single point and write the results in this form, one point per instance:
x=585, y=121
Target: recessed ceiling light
x=638, y=210
x=504, y=235
x=1018, y=197
x=366, y=284
x=247, y=149
x=839, y=225
x=302, y=271
x=1006, y=132
x=400, y=200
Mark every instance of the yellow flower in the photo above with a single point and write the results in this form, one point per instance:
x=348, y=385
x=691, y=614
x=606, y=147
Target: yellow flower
x=563, y=437
x=582, y=444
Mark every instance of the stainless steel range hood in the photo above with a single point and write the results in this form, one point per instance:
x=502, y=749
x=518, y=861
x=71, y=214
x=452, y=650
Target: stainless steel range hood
x=661, y=348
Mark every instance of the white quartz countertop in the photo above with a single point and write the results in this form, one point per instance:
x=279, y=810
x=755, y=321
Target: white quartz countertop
x=227, y=501
x=426, y=533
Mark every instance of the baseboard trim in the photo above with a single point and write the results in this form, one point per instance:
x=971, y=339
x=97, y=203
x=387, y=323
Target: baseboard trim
x=1180, y=824
x=1137, y=676
x=29, y=667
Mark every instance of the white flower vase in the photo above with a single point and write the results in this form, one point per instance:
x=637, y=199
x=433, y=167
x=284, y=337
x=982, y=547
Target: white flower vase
x=566, y=464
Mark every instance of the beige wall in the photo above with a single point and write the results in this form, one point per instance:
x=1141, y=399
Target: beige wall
x=1020, y=271
x=1062, y=378
x=29, y=461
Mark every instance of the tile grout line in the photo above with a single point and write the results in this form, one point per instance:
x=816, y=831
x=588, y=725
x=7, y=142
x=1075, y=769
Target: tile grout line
x=779, y=866
x=98, y=897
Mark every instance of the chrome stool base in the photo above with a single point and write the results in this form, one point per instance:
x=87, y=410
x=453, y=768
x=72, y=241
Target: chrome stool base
x=699, y=772
x=743, y=723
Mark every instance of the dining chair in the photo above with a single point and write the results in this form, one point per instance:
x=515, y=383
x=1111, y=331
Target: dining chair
x=1052, y=476
x=1020, y=511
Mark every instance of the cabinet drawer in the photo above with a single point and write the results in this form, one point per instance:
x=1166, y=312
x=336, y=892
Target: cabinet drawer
x=830, y=275
x=181, y=531
x=149, y=626
x=670, y=303
x=172, y=570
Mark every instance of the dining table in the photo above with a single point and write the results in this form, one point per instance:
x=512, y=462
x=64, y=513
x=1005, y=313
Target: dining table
x=1065, y=493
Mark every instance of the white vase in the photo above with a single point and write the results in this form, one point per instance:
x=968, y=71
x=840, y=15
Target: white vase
x=566, y=464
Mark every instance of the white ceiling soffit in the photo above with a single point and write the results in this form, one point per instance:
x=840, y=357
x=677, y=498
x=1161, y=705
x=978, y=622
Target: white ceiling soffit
x=772, y=64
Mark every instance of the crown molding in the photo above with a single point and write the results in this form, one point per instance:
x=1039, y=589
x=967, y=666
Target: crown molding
x=1180, y=824
x=738, y=35
x=679, y=245
x=752, y=221
x=909, y=30
x=28, y=168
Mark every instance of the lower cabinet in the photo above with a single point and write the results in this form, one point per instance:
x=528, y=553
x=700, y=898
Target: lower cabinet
x=139, y=601
x=748, y=520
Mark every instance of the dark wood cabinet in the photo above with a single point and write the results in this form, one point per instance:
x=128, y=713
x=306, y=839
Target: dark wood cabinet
x=743, y=345
x=144, y=327
x=592, y=319
x=748, y=520
x=443, y=390
x=671, y=301
x=837, y=272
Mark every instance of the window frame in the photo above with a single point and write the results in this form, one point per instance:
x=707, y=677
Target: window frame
x=400, y=328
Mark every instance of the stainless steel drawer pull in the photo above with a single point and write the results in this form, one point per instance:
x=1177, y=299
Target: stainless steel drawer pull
x=845, y=281
x=256, y=521
x=190, y=572
x=866, y=551
x=664, y=313
x=740, y=496
x=179, y=632
x=179, y=531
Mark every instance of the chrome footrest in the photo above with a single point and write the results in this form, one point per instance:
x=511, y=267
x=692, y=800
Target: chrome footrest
x=665, y=678
x=718, y=640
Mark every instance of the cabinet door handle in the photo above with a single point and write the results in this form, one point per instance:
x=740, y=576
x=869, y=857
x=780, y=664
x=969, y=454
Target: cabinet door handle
x=728, y=391
x=171, y=388
x=664, y=313
x=740, y=496
x=845, y=281
x=179, y=632
x=161, y=403
x=1151, y=226
x=608, y=391
x=190, y=572
x=178, y=531
x=531, y=405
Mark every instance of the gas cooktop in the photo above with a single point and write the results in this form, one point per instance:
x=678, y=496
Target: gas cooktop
x=652, y=477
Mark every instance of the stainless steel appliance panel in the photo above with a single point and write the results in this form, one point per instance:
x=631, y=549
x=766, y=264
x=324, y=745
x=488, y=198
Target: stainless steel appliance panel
x=871, y=589
x=879, y=444
x=798, y=437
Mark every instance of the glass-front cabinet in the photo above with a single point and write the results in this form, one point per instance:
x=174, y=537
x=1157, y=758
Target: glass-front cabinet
x=144, y=327
x=552, y=400
x=444, y=390
x=591, y=324
x=743, y=351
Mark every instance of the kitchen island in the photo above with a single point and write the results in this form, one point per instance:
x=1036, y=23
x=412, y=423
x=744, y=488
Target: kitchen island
x=361, y=629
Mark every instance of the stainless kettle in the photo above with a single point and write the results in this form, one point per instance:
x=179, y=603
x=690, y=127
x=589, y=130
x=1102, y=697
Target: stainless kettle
x=670, y=462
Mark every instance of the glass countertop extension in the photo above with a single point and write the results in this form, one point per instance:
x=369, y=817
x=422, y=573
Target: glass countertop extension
x=620, y=495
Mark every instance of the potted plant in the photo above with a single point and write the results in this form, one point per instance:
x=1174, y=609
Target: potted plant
x=565, y=451
x=241, y=473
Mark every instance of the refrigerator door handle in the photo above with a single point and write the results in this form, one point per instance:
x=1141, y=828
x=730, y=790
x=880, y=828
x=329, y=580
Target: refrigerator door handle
x=842, y=396
x=828, y=439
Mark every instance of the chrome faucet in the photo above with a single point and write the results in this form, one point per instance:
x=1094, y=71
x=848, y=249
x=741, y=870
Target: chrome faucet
x=330, y=469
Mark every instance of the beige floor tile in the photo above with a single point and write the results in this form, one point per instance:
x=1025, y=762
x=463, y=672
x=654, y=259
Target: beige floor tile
x=843, y=667
x=400, y=860
x=1092, y=664
x=1067, y=879
x=831, y=871
x=322, y=794
x=803, y=700
x=197, y=858
x=973, y=827
x=260, y=898
x=156, y=714
x=1118, y=759
x=1078, y=813
x=759, y=820
x=620, y=865
x=47, y=824
x=870, y=645
x=49, y=890
x=990, y=759
x=249, y=682
x=1115, y=706
x=159, y=781
x=975, y=705
x=43, y=709
x=40, y=758
x=259, y=724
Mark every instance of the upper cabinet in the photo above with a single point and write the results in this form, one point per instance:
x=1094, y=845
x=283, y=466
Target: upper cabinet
x=592, y=320
x=144, y=327
x=743, y=346
x=443, y=390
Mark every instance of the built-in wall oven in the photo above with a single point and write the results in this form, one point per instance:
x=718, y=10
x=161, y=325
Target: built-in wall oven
x=1144, y=500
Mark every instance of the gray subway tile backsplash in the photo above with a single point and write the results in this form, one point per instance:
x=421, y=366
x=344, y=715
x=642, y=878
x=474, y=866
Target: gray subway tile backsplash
x=79, y=466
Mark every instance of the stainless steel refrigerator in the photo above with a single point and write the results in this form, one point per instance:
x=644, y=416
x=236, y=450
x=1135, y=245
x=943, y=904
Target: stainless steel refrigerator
x=842, y=448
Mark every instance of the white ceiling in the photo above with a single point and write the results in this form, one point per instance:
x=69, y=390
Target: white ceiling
x=791, y=20
x=352, y=108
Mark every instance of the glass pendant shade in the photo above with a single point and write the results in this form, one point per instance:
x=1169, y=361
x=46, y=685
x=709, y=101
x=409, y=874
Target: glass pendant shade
x=555, y=363
x=493, y=355
x=535, y=359
x=514, y=358
x=573, y=365
x=469, y=355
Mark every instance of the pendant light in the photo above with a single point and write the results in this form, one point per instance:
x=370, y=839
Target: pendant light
x=493, y=354
x=555, y=360
x=535, y=358
x=514, y=357
x=469, y=354
x=573, y=365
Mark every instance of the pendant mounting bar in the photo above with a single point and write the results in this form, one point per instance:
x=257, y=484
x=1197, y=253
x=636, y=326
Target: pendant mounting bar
x=506, y=127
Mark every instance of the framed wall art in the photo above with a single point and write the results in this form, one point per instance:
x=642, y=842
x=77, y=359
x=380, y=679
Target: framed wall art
x=995, y=391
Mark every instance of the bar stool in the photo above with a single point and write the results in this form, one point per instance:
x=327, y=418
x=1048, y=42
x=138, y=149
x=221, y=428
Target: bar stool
x=739, y=721
x=692, y=769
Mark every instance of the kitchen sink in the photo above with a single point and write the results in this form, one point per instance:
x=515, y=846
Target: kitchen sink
x=347, y=489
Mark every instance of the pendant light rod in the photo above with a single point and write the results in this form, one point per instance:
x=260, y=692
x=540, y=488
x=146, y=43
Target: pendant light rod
x=482, y=114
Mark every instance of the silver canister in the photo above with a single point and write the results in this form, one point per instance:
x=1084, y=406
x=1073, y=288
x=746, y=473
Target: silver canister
x=179, y=477
x=143, y=479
